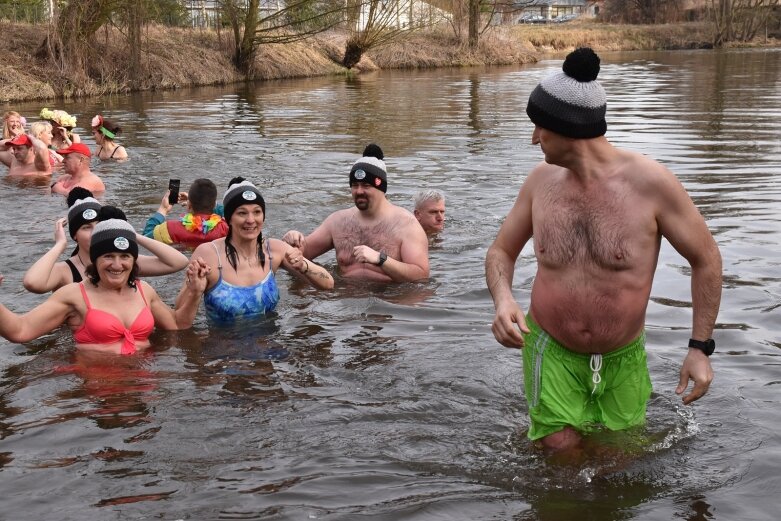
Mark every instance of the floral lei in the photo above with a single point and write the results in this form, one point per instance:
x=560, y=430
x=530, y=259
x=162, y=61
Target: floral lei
x=196, y=223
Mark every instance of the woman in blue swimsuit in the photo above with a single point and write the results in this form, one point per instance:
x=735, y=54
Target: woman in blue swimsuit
x=241, y=282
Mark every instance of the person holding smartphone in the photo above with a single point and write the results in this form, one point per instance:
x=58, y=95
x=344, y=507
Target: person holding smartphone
x=199, y=225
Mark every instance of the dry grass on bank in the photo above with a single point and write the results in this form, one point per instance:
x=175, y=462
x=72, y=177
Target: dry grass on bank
x=173, y=58
x=294, y=60
x=440, y=48
x=170, y=58
x=608, y=37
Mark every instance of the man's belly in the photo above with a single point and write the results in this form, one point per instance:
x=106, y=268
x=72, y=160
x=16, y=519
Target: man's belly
x=590, y=318
x=364, y=271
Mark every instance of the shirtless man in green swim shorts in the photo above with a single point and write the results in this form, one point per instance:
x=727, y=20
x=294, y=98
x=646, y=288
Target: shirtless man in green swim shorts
x=597, y=215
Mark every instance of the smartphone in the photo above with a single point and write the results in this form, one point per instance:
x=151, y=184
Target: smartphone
x=173, y=186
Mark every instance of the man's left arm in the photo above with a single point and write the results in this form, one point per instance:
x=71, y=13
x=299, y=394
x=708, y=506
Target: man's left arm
x=684, y=227
x=413, y=264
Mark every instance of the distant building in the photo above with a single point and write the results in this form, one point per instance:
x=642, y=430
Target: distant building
x=401, y=14
x=550, y=9
x=206, y=13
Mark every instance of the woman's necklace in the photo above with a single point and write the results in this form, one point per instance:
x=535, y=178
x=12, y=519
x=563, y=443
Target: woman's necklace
x=247, y=258
x=83, y=265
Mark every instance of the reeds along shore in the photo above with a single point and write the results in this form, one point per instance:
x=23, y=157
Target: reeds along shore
x=173, y=58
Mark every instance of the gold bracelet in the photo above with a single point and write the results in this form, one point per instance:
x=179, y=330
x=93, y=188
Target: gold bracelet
x=307, y=267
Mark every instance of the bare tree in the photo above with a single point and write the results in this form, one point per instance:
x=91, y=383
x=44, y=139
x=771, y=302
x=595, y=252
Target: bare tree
x=73, y=27
x=739, y=20
x=282, y=22
x=474, y=23
x=478, y=15
x=376, y=22
x=643, y=11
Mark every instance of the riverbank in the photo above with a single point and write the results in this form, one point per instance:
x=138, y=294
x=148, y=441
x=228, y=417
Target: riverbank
x=174, y=58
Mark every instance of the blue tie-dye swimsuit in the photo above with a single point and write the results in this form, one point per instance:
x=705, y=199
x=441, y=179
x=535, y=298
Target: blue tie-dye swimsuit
x=226, y=302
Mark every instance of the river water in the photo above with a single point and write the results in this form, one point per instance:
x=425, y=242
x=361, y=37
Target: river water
x=397, y=403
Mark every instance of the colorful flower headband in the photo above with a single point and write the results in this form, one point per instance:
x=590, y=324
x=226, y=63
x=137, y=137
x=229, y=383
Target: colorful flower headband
x=60, y=117
x=97, y=122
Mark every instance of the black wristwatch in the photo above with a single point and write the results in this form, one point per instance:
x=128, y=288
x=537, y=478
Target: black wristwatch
x=383, y=258
x=706, y=346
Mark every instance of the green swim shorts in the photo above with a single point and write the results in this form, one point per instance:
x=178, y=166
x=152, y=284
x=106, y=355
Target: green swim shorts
x=564, y=388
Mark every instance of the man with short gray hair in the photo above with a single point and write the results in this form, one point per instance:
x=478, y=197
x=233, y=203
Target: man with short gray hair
x=430, y=210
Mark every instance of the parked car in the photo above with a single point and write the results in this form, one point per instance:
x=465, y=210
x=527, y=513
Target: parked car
x=529, y=18
x=564, y=18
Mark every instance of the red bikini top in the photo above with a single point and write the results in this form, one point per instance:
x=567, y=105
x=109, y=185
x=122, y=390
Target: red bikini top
x=102, y=327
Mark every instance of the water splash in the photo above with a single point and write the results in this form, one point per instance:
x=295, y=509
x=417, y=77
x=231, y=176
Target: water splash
x=686, y=428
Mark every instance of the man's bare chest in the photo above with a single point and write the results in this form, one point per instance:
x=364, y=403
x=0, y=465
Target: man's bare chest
x=607, y=230
x=384, y=235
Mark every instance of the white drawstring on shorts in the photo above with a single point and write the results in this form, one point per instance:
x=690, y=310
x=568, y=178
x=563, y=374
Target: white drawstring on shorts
x=596, y=365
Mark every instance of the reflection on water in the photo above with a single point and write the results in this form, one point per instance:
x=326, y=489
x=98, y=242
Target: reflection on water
x=396, y=403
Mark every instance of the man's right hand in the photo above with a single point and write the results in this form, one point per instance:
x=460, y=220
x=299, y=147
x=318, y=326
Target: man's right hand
x=295, y=239
x=508, y=324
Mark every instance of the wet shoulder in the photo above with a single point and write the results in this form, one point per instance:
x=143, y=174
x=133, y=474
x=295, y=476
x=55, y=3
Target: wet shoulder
x=207, y=251
x=646, y=175
x=404, y=217
x=71, y=295
x=339, y=217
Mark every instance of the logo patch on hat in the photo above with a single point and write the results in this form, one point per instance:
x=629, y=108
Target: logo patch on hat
x=249, y=195
x=89, y=214
x=121, y=243
x=360, y=175
x=377, y=181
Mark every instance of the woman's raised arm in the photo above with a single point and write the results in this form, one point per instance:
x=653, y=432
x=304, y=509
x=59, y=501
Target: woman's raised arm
x=165, y=259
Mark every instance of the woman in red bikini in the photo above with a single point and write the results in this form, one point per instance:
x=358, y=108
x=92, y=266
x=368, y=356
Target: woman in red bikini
x=113, y=311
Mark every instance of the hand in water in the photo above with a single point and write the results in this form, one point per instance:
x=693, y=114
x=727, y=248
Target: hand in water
x=696, y=366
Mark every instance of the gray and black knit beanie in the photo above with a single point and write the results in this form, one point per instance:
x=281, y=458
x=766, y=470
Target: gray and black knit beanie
x=113, y=235
x=237, y=194
x=571, y=103
x=81, y=212
x=370, y=168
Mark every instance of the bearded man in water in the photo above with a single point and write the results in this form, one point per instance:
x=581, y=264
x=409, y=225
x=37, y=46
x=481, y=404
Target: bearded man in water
x=376, y=240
